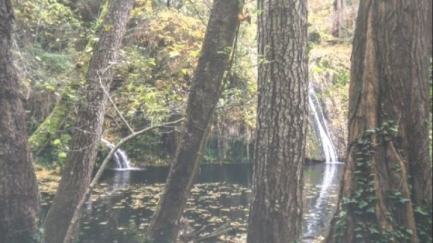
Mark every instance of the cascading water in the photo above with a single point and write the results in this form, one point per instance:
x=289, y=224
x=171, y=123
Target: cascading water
x=322, y=127
x=314, y=226
x=119, y=157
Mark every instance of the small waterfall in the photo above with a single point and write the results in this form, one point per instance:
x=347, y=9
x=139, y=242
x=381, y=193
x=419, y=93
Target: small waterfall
x=322, y=127
x=119, y=157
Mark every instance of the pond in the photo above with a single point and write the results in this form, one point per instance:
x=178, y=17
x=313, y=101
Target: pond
x=120, y=208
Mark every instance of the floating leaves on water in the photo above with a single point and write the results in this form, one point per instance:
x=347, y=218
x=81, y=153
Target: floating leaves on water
x=126, y=210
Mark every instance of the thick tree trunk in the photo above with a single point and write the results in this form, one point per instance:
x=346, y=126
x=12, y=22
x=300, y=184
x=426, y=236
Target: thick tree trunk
x=276, y=211
x=386, y=192
x=19, y=197
x=203, y=98
x=83, y=147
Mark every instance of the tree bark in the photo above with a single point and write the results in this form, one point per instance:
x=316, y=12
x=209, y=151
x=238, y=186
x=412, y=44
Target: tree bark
x=276, y=211
x=19, y=196
x=88, y=128
x=386, y=191
x=203, y=98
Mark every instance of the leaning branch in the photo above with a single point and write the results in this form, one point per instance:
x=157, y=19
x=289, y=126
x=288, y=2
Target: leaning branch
x=114, y=105
x=104, y=164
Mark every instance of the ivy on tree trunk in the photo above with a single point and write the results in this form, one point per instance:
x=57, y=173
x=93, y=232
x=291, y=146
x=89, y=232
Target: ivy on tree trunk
x=386, y=191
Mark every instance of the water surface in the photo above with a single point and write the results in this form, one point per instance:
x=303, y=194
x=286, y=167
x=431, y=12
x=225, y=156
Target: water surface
x=120, y=208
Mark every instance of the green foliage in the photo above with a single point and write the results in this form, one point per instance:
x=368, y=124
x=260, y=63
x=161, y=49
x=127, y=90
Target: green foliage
x=147, y=148
x=54, y=154
x=211, y=154
x=153, y=76
x=423, y=216
x=156, y=72
x=362, y=201
x=314, y=37
x=240, y=151
x=45, y=69
x=50, y=23
x=335, y=70
x=156, y=69
x=237, y=151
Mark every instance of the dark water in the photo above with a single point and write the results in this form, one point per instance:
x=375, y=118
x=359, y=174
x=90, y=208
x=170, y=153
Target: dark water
x=120, y=208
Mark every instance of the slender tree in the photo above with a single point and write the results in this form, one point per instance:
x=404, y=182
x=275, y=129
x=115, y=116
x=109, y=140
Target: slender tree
x=386, y=191
x=338, y=10
x=19, y=196
x=203, y=98
x=276, y=210
x=80, y=160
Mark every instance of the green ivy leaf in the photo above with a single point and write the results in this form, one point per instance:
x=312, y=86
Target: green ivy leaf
x=62, y=155
x=57, y=142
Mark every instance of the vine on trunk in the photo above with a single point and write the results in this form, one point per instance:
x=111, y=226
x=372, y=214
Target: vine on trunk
x=362, y=202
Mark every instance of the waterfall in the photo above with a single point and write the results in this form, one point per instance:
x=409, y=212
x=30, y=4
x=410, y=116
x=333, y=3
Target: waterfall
x=315, y=225
x=119, y=157
x=322, y=127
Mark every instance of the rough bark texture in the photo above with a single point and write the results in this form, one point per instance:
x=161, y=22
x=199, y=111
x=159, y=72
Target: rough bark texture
x=203, y=98
x=276, y=211
x=19, y=197
x=388, y=171
x=88, y=128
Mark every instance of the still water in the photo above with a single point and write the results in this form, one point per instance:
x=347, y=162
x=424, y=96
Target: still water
x=120, y=208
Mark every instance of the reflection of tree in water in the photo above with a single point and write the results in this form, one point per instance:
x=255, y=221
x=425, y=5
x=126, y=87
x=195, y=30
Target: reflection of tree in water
x=123, y=214
x=111, y=216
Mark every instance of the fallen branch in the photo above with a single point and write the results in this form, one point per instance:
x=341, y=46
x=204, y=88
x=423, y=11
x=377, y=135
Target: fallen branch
x=194, y=236
x=223, y=229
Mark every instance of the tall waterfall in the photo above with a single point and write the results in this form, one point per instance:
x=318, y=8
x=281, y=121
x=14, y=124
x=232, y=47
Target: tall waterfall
x=322, y=127
x=119, y=157
x=321, y=206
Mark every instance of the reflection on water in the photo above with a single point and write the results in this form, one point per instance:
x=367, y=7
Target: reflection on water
x=320, y=198
x=120, y=208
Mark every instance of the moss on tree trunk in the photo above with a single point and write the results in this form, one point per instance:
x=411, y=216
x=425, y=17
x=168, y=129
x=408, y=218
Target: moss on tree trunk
x=50, y=126
x=88, y=127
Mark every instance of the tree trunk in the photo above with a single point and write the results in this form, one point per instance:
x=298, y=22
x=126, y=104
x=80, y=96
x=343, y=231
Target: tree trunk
x=203, y=98
x=19, y=196
x=338, y=10
x=386, y=192
x=51, y=125
x=83, y=147
x=276, y=211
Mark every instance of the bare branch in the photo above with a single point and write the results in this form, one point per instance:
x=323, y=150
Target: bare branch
x=104, y=164
x=114, y=105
